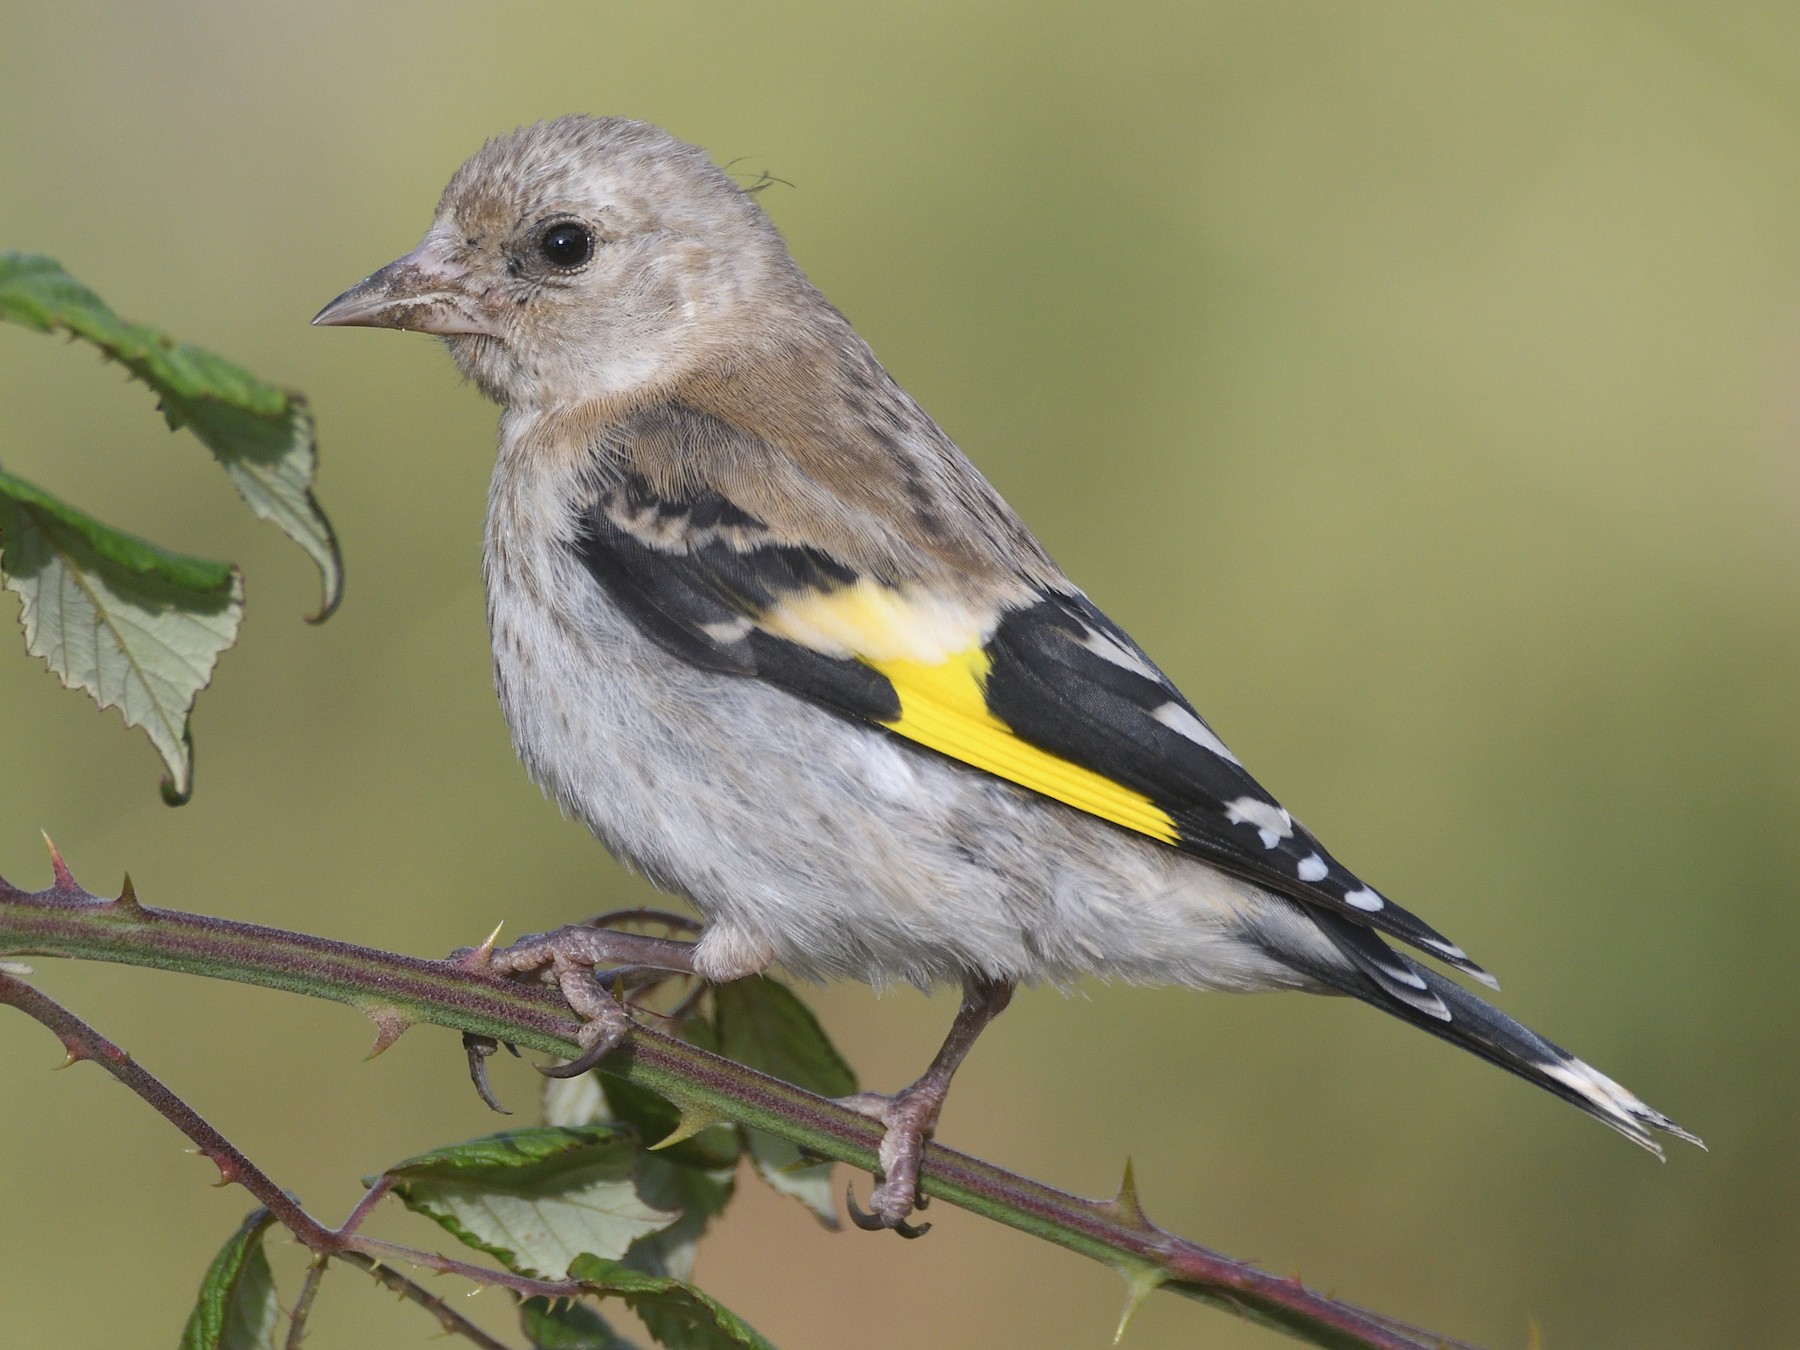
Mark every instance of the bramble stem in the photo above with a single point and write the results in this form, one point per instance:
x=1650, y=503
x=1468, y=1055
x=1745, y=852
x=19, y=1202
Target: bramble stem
x=448, y=1318
x=315, y=1276
x=82, y=1042
x=398, y=991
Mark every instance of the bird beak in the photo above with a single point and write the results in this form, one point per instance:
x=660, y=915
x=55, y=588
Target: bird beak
x=423, y=292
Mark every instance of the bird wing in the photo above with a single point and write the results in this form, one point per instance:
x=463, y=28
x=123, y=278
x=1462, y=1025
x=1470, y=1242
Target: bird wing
x=1044, y=691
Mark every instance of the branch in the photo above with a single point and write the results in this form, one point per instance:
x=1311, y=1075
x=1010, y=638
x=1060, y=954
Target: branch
x=82, y=1042
x=315, y=1276
x=453, y=1322
x=399, y=991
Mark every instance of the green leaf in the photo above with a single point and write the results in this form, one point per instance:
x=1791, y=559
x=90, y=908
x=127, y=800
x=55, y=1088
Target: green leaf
x=695, y=1177
x=576, y=1101
x=600, y=1096
x=763, y=1025
x=137, y=627
x=261, y=434
x=677, y=1314
x=655, y=1118
x=567, y=1326
x=535, y=1198
x=699, y=1194
x=237, y=1309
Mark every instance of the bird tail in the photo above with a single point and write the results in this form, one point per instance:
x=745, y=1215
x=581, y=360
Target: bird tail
x=1459, y=1017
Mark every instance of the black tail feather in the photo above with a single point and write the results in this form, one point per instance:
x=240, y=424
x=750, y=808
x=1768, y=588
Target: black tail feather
x=1484, y=1030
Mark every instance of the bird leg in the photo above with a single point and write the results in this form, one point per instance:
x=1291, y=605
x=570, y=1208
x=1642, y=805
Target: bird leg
x=592, y=947
x=912, y=1115
x=613, y=918
x=573, y=957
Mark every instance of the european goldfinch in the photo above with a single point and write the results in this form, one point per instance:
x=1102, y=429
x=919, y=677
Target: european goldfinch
x=761, y=625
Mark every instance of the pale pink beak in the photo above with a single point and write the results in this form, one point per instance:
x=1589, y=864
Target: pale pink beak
x=422, y=293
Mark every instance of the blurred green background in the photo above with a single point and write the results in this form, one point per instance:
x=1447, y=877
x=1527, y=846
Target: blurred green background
x=1419, y=383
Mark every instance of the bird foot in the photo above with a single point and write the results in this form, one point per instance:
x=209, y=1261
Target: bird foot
x=572, y=958
x=909, y=1117
x=589, y=947
x=606, y=1024
x=480, y=1049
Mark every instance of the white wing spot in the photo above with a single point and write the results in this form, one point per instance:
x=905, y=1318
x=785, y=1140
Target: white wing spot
x=1178, y=719
x=1272, y=823
x=1364, y=899
x=1109, y=648
x=727, y=631
x=1405, y=976
x=1312, y=868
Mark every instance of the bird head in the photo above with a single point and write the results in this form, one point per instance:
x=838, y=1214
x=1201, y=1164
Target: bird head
x=582, y=258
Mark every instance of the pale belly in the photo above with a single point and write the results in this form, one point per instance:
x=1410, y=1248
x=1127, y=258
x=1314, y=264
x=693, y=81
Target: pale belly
x=838, y=850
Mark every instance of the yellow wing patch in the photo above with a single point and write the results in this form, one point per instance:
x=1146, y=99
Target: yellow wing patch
x=943, y=706
x=930, y=649
x=873, y=623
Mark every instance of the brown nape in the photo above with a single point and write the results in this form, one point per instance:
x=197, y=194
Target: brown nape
x=820, y=456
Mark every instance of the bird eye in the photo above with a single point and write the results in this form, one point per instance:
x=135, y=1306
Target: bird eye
x=566, y=243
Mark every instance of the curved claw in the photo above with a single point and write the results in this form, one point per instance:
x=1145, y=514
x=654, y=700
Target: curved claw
x=874, y=1223
x=858, y=1215
x=478, y=1048
x=602, y=1047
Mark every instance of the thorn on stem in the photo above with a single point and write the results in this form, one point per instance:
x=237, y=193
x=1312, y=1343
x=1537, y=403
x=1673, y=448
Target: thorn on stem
x=127, y=896
x=1126, y=1205
x=390, y=1025
x=65, y=879
x=477, y=958
x=693, y=1120
x=1140, y=1283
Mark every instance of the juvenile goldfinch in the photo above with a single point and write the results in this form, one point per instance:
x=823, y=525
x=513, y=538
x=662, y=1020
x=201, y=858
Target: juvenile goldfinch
x=760, y=624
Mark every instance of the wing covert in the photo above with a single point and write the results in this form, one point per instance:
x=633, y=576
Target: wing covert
x=695, y=574
x=1049, y=694
x=1066, y=678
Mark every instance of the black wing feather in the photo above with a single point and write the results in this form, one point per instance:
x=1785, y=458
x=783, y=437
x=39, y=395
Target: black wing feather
x=695, y=600
x=1067, y=679
x=695, y=572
